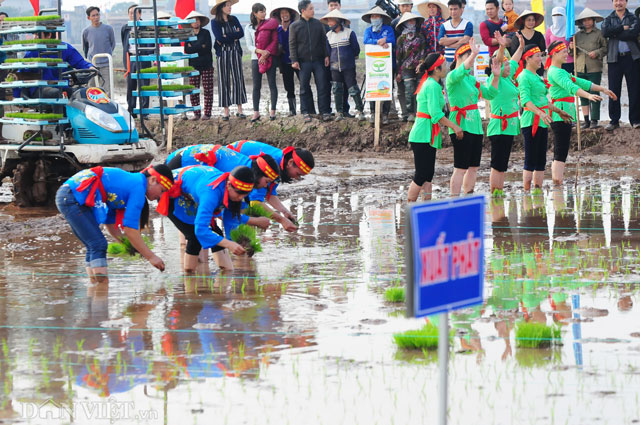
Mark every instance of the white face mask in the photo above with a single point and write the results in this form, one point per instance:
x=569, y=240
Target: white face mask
x=377, y=24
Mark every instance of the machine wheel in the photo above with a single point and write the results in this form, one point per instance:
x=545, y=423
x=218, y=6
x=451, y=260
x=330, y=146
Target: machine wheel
x=30, y=187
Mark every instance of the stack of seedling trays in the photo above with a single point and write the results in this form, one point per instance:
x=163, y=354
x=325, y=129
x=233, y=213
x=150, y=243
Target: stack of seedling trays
x=169, y=34
x=32, y=108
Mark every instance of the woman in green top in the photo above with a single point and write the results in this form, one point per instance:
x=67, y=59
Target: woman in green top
x=535, y=118
x=504, y=123
x=563, y=87
x=425, y=136
x=464, y=91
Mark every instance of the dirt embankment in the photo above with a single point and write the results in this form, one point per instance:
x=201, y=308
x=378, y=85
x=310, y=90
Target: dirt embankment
x=350, y=135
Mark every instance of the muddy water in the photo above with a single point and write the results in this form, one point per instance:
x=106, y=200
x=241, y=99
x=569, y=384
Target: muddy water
x=301, y=333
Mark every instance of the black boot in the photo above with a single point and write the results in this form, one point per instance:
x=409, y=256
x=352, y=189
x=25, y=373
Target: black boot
x=292, y=106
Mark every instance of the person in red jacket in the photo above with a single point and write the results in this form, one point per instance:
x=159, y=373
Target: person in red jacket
x=266, y=49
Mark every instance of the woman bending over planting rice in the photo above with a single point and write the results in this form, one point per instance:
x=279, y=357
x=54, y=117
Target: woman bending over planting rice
x=202, y=194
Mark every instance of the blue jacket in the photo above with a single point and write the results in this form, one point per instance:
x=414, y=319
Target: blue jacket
x=344, y=49
x=283, y=40
x=227, y=34
x=371, y=37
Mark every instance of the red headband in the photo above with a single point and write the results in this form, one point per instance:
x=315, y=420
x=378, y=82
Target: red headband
x=163, y=203
x=461, y=51
x=560, y=47
x=526, y=55
x=299, y=162
x=240, y=185
x=264, y=166
x=436, y=64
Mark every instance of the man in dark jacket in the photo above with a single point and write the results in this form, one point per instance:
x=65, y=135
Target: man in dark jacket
x=132, y=66
x=308, y=52
x=621, y=28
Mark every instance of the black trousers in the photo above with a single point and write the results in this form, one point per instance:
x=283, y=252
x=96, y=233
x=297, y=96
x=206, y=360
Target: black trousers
x=629, y=69
x=424, y=159
x=562, y=140
x=189, y=232
x=287, y=79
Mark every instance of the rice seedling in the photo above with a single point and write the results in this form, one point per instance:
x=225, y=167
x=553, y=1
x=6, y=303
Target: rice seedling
x=536, y=335
x=33, y=116
x=33, y=41
x=33, y=60
x=33, y=18
x=394, y=294
x=245, y=235
x=169, y=87
x=125, y=248
x=425, y=338
x=167, y=69
x=257, y=210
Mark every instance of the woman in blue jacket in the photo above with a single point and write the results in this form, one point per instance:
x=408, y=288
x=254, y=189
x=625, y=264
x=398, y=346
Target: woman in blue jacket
x=380, y=33
x=344, y=48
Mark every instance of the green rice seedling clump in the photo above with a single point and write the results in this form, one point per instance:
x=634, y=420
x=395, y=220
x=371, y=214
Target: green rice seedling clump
x=32, y=60
x=257, y=210
x=394, y=294
x=245, y=235
x=33, y=41
x=169, y=87
x=33, y=18
x=536, y=335
x=425, y=338
x=125, y=247
x=33, y=116
x=167, y=69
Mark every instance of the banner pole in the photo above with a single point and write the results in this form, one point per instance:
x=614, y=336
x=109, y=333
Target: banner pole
x=443, y=363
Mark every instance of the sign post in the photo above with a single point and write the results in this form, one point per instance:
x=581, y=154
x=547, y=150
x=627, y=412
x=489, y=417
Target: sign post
x=445, y=266
x=379, y=79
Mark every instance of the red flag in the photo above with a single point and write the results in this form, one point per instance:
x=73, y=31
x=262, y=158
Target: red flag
x=36, y=6
x=184, y=7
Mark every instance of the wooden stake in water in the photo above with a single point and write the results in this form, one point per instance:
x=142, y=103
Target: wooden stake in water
x=376, y=131
x=443, y=366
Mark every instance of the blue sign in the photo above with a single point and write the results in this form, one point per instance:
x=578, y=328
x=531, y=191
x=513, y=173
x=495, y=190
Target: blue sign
x=445, y=255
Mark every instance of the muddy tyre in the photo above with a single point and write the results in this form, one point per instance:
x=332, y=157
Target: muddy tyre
x=30, y=187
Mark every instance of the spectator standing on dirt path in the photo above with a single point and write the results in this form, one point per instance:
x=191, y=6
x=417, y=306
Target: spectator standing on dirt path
x=228, y=32
x=309, y=54
x=404, y=6
x=132, y=66
x=455, y=32
x=557, y=31
x=526, y=25
x=286, y=16
x=491, y=25
x=621, y=28
x=591, y=48
x=265, y=46
x=435, y=14
x=380, y=33
x=98, y=38
x=333, y=5
x=344, y=49
x=409, y=53
x=203, y=63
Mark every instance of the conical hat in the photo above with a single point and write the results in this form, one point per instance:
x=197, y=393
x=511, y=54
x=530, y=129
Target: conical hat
x=275, y=13
x=220, y=3
x=336, y=14
x=197, y=15
x=519, y=23
x=163, y=15
x=588, y=13
x=376, y=11
x=407, y=16
x=423, y=9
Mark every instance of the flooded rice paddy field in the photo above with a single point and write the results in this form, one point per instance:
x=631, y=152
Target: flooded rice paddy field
x=301, y=333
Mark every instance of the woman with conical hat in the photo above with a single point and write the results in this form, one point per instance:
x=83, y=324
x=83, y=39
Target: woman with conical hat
x=504, y=123
x=286, y=15
x=563, y=87
x=591, y=48
x=380, y=33
x=526, y=24
x=410, y=50
x=536, y=117
x=426, y=134
x=435, y=13
x=464, y=92
x=343, y=51
x=203, y=63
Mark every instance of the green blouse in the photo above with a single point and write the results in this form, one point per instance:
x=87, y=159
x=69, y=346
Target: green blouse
x=504, y=102
x=563, y=86
x=462, y=90
x=430, y=101
x=532, y=89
